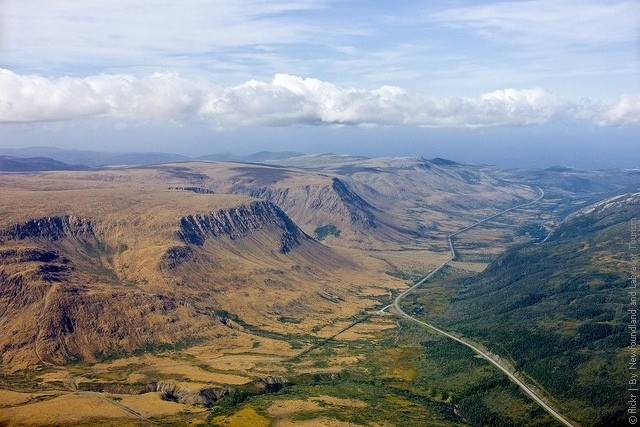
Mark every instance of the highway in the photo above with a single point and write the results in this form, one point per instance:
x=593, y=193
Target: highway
x=494, y=360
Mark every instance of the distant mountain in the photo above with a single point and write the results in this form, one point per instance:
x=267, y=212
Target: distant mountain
x=560, y=169
x=558, y=310
x=317, y=161
x=260, y=156
x=366, y=201
x=348, y=162
x=592, y=185
x=104, y=158
x=34, y=164
x=93, y=158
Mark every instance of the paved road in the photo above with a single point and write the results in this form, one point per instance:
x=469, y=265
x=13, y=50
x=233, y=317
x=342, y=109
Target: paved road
x=485, y=355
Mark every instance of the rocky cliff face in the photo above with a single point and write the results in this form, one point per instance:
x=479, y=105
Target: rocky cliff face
x=51, y=227
x=360, y=211
x=327, y=201
x=239, y=222
x=335, y=200
x=70, y=291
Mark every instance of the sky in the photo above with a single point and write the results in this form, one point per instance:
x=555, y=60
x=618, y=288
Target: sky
x=515, y=83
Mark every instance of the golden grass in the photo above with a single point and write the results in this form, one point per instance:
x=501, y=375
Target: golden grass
x=151, y=405
x=194, y=373
x=13, y=398
x=316, y=422
x=399, y=363
x=289, y=407
x=370, y=329
x=65, y=409
x=156, y=367
x=336, y=401
x=57, y=375
x=246, y=417
x=283, y=411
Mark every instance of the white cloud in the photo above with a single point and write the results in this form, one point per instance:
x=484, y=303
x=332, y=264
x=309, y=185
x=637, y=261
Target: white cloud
x=28, y=98
x=284, y=101
x=427, y=46
x=625, y=112
x=295, y=100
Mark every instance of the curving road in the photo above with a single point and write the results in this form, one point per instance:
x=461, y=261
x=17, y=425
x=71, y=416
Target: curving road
x=494, y=360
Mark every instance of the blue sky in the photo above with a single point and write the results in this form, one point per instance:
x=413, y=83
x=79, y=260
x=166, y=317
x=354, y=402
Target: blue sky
x=214, y=73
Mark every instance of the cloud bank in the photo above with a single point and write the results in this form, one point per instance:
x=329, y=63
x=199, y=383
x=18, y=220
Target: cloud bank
x=285, y=101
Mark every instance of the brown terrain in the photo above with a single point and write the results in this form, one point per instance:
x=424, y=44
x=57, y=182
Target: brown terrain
x=176, y=278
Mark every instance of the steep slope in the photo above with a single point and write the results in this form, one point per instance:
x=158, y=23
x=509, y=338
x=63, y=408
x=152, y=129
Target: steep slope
x=368, y=203
x=91, y=272
x=313, y=200
x=435, y=191
x=558, y=310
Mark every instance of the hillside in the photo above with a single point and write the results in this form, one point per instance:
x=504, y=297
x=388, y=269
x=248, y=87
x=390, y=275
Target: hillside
x=558, y=310
x=89, y=272
x=396, y=199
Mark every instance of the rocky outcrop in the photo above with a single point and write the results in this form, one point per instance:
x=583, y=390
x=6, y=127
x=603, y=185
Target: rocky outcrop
x=173, y=392
x=325, y=201
x=197, y=190
x=239, y=222
x=360, y=211
x=339, y=200
x=270, y=384
x=23, y=270
x=51, y=227
x=176, y=256
x=30, y=255
x=210, y=395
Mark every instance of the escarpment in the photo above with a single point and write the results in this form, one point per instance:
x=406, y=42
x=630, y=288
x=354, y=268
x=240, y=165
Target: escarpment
x=239, y=222
x=360, y=211
x=51, y=227
x=337, y=201
x=326, y=201
x=131, y=276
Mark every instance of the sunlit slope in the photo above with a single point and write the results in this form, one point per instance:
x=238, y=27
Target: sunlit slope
x=88, y=272
x=428, y=196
